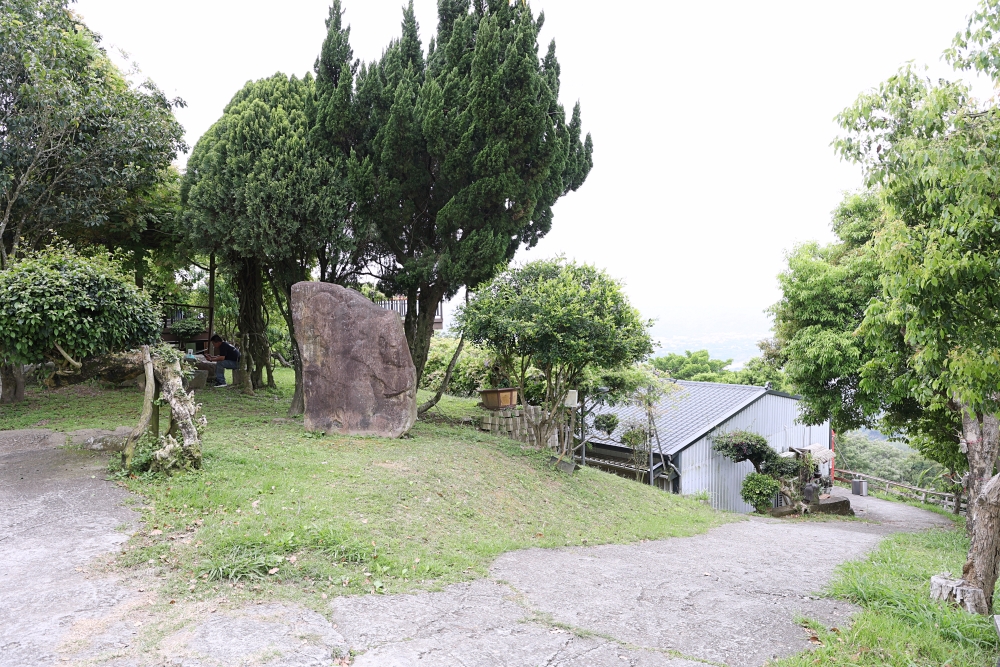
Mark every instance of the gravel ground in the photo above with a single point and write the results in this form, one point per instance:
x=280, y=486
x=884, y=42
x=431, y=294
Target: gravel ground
x=726, y=597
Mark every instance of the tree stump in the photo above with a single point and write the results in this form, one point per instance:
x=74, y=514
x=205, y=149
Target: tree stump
x=957, y=592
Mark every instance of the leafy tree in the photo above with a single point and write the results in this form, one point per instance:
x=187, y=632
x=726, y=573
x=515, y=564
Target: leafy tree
x=460, y=152
x=825, y=293
x=58, y=306
x=697, y=366
x=935, y=327
x=559, y=317
x=79, y=140
x=271, y=201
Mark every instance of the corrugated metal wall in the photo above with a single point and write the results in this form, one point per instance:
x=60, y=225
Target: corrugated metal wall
x=772, y=417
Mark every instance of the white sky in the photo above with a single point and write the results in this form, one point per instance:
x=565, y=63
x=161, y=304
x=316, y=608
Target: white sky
x=711, y=123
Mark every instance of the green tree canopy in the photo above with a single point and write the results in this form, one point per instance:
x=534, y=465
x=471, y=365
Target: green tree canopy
x=56, y=304
x=697, y=366
x=934, y=328
x=80, y=141
x=460, y=152
x=559, y=317
x=271, y=200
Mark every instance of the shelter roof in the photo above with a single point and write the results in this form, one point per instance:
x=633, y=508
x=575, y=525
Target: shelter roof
x=689, y=412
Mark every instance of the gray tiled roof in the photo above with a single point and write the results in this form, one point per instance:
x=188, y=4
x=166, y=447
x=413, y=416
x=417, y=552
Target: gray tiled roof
x=687, y=413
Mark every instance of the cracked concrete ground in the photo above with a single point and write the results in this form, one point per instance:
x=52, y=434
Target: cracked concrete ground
x=729, y=597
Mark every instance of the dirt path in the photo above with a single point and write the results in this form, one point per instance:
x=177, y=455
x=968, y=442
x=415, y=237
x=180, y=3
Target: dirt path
x=727, y=597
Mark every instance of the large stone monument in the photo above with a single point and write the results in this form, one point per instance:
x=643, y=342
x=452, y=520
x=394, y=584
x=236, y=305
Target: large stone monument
x=358, y=377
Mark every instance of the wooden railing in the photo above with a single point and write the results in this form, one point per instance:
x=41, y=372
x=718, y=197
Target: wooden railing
x=906, y=490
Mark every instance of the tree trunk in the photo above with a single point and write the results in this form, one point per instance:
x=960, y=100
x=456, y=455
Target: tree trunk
x=419, y=324
x=282, y=290
x=980, y=570
x=11, y=383
x=444, y=382
x=250, y=292
x=245, y=384
x=146, y=418
x=981, y=435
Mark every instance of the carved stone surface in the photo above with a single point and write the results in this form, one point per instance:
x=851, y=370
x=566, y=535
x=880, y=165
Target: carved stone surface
x=358, y=377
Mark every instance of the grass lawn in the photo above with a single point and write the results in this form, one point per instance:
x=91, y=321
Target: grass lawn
x=279, y=511
x=899, y=626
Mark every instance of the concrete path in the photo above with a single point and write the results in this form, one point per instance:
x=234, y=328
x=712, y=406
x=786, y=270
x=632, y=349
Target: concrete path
x=727, y=597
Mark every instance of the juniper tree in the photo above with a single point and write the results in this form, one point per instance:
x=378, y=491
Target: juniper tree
x=461, y=153
x=263, y=194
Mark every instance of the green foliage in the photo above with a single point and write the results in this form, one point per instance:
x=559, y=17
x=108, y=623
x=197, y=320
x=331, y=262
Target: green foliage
x=697, y=366
x=187, y=328
x=860, y=453
x=759, y=491
x=142, y=460
x=559, y=317
x=742, y=445
x=934, y=326
x=475, y=369
x=606, y=423
x=635, y=436
x=85, y=305
x=825, y=293
x=80, y=141
x=463, y=150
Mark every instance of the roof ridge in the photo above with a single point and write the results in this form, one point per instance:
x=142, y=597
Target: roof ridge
x=720, y=384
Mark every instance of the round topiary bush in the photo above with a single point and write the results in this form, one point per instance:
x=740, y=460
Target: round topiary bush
x=759, y=490
x=56, y=304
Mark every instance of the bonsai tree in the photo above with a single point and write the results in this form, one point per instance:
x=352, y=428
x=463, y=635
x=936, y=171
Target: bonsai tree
x=84, y=315
x=744, y=445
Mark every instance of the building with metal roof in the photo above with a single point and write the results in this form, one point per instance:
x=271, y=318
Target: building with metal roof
x=687, y=419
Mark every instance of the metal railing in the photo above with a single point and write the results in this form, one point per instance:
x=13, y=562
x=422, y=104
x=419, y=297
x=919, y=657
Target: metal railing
x=399, y=305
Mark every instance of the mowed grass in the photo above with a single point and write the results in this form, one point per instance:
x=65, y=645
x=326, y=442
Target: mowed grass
x=900, y=626
x=276, y=509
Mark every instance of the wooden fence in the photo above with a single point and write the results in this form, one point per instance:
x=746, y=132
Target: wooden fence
x=905, y=490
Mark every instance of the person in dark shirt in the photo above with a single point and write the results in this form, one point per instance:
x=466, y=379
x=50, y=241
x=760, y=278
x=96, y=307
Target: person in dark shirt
x=228, y=357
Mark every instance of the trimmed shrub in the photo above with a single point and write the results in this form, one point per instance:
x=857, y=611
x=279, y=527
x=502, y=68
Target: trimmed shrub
x=759, y=490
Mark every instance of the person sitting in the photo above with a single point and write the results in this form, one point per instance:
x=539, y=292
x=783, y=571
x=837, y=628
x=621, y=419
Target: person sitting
x=228, y=357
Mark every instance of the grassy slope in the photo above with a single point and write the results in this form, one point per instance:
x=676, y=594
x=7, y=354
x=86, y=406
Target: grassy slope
x=899, y=625
x=431, y=508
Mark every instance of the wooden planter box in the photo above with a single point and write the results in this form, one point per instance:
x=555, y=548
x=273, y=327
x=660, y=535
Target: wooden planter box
x=498, y=399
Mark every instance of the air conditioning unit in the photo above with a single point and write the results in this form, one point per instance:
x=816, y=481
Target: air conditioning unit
x=859, y=487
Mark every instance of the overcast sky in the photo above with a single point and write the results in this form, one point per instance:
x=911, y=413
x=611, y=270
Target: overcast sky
x=711, y=121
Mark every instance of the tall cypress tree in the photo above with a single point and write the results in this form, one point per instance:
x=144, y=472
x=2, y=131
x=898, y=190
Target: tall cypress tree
x=459, y=156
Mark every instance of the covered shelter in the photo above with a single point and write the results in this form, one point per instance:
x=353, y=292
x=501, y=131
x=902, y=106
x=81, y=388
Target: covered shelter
x=683, y=460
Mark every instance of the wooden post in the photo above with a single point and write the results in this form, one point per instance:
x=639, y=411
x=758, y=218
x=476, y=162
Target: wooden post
x=154, y=422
